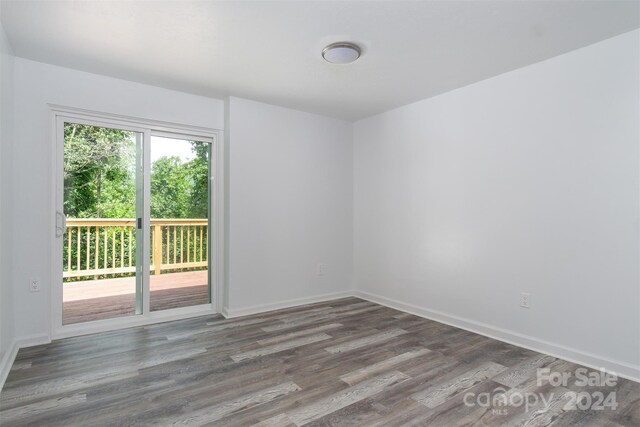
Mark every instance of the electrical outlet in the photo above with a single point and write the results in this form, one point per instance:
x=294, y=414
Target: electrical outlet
x=34, y=285
x=320, y=269
x=524, y=300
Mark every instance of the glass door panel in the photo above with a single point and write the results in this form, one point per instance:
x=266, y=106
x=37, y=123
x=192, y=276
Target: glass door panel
x=102, y=186
x=179, y=238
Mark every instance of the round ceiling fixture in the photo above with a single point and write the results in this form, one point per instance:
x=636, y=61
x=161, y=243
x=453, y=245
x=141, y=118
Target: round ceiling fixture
x=341, y=53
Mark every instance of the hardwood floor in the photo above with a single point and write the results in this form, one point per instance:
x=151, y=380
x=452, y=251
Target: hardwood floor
x=343, y=362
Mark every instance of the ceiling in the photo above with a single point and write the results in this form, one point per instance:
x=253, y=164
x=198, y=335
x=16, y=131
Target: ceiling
x=270, y=51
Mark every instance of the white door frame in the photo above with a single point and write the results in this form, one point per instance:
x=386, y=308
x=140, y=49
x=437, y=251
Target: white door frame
x=60, y=114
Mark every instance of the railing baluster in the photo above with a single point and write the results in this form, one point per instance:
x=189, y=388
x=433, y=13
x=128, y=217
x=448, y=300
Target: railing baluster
x=174, y=243
x=104, y=255
x=121, y=247
x=78, y=248
x=130, y=245
x=96, y=255
x=88, y=247
x=69, y=248
x=113, y=250
x=188, y=242
x=206, y=245
x=157, y=249
x=167, y=247
x=182, y=243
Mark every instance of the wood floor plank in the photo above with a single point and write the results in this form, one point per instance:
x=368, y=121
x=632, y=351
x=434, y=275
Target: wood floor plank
x=438, y=394
x=236, y=323
x=361, y=413
x=543, y=413
x=21, y=365
x=60, y=385
x=104, y=403
x=281, y=420
x=321, y=317
x=339, y=400
x=356, y=376
x=216, y=412
x=365, y=341
x=399, y=414
x=524, y=370
x=456, y=408
x=26, y=411
x=291, y=335
x=277, y=348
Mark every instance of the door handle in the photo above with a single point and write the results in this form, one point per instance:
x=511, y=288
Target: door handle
x=61, y=223
x=139, y=223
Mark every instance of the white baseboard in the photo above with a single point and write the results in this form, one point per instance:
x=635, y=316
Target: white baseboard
x=621, y=369
x=10, y=355
x=246, y=311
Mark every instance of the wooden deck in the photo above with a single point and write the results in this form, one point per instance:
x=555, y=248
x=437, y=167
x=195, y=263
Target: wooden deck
x=108, y=298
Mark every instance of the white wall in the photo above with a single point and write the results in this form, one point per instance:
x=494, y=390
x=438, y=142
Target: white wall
x=526, y=182
x=37, y=84
x=6, y=132
x=290, y=206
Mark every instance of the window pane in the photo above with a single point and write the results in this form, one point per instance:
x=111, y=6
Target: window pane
x=179, y=182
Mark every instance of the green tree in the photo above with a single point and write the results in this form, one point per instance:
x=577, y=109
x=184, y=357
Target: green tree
x=170, y=188
x=99, y=172
x=199, y=175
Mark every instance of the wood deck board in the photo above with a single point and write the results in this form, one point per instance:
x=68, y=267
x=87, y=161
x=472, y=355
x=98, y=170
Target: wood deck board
x=90, y=300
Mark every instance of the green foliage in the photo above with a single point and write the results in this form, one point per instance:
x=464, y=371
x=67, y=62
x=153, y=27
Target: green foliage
x=169, y=188
x=99, y=172
x=181, y=190
x=199, y=177
x=100, y=181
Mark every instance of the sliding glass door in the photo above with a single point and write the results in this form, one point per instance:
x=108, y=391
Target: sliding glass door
x=133, y=221
x=101, y=278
